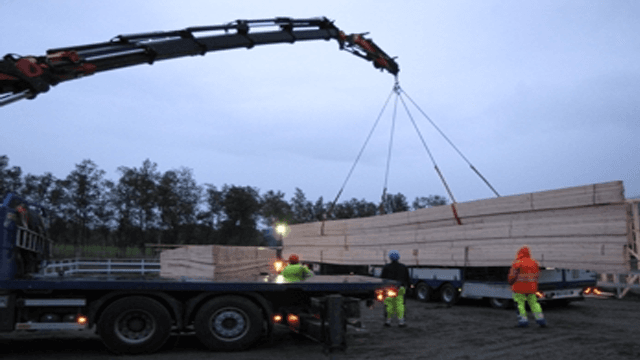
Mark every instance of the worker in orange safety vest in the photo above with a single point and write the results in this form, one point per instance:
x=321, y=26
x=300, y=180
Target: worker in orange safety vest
x=523, y=278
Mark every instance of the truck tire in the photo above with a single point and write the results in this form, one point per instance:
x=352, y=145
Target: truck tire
x=424, y=292
x=134, y=325
x=229, y=323
x=448, y=294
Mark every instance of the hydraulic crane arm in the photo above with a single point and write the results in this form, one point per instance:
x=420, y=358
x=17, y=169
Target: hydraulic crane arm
x=26, y=77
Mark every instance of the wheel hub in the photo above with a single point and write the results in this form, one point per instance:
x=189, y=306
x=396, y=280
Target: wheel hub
x=229, y=324
x=134, y=327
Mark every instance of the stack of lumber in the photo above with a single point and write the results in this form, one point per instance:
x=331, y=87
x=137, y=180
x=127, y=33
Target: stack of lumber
x=582, y=227
x=216, y=262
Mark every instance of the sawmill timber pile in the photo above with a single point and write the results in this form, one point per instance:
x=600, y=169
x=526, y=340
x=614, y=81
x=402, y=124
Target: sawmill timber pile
x=583, y=227
x=216, y=262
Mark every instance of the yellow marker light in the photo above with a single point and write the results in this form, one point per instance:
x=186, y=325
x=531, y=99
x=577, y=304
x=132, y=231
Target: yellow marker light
x=277, y=318
x=392, y=293
x=82, y=320
x=596, y=291
x=539, y=294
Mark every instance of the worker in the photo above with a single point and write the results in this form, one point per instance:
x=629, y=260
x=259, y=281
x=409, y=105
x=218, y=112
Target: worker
x=523, y=278
x=398, y=272
x=24, y=217
x=295, y=271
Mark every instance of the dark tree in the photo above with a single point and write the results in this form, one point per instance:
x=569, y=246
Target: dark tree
x=241, y=206
x=84, y=191
x=274, y=208
x=395, y=203
x=10, y=178
x=428, y=201
x=302, y=208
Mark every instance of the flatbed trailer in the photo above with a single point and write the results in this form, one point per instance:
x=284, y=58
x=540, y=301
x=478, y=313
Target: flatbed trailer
x=135, y=315
x=448, y=284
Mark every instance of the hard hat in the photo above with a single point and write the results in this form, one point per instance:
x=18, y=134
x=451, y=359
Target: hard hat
x=294, y=259
x=394, y=255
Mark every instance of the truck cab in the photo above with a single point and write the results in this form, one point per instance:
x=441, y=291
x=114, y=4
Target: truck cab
x=24, y=240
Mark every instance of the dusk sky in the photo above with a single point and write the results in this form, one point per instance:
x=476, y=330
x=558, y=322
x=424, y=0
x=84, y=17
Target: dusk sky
x=538, y=95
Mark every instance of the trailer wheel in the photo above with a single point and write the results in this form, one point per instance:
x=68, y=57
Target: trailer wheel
x=497, y=303
x=448, y=294
x=134, y=325
x=228, y=323
x=424, y=292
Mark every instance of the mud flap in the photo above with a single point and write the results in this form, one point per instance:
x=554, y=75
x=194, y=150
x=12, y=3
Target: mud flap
x=331, y=327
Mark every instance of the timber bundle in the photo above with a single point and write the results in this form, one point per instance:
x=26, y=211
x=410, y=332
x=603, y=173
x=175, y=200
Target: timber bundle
x=583, y=227
x=216, y=262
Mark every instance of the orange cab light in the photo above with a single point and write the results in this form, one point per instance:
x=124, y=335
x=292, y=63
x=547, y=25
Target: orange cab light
x=587, y=290
x=293, y=320
x=391, y=292
x=539, y=294
x=81, y=319
x=277, y=318
x=596, y=291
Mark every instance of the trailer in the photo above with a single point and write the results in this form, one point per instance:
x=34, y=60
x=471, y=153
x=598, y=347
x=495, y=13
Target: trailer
x=450, y=284
x=137, y=314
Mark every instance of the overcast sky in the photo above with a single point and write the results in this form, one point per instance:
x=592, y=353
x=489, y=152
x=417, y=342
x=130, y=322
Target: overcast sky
x=538, y=95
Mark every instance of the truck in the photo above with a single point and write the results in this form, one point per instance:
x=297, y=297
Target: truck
x=134, y=315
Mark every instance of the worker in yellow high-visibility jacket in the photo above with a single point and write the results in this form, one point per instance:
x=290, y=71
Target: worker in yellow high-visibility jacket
x=399, y=272
x=295, y=271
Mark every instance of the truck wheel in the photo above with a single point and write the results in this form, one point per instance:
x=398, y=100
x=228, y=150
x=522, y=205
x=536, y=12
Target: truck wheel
x=497, y=303
x=134, y=325
x=424, y=292
x=448, y=294
x=228, y=323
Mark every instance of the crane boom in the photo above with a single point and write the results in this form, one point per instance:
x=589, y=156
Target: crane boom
x=26, y=77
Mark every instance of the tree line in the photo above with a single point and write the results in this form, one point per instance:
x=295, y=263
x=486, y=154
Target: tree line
x=145, y=206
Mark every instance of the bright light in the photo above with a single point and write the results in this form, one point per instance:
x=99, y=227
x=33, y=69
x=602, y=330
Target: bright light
x=277, y=318
x=280, y=279
x=82, y=319
x=596, y=291
x=293, y=319
x=392, y=293
x=282, y=229
x=278, y=265
x=587, y=290
x=539, y=294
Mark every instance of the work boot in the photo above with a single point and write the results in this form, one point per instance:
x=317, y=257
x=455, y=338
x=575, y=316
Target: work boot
x=401, y=322
x=523, y=321
x=541, y=320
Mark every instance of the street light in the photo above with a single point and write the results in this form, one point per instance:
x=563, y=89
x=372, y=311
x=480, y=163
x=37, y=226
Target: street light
x=282, y=229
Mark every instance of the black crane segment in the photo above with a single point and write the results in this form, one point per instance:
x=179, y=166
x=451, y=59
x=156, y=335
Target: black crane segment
x=26, y=77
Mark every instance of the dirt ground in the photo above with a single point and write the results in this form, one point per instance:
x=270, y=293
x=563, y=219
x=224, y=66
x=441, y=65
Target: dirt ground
x=590, y=329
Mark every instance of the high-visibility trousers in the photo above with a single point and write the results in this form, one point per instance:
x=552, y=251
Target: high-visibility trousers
x=521, y=299
x=395, y=305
